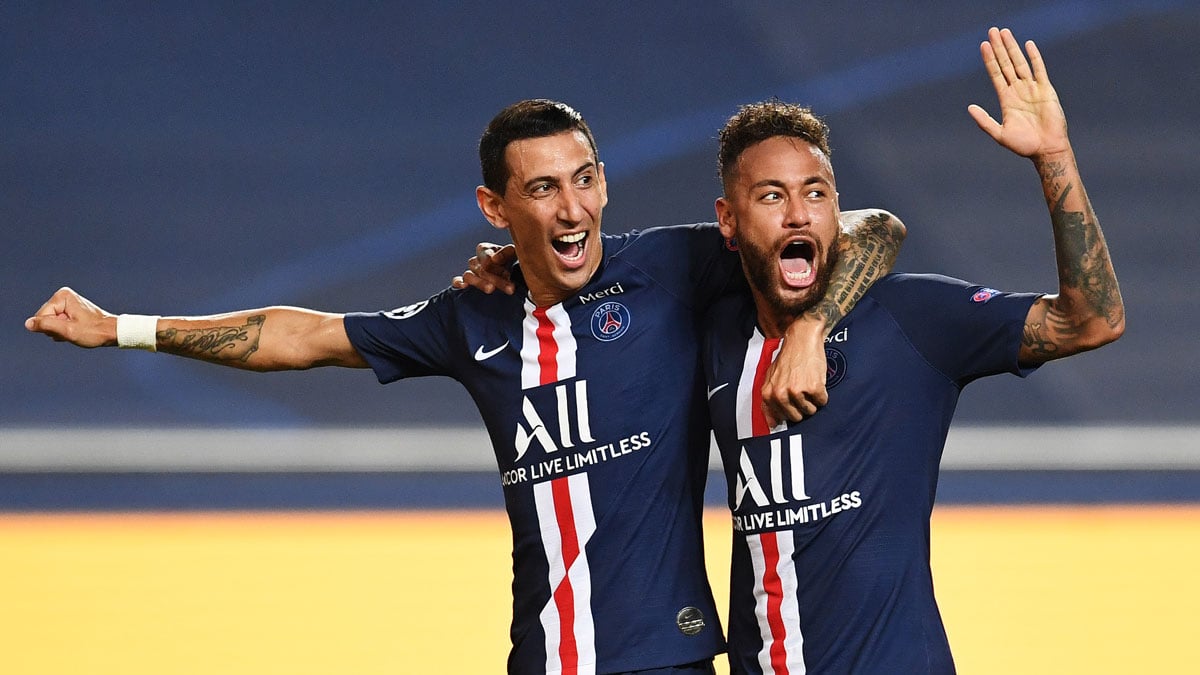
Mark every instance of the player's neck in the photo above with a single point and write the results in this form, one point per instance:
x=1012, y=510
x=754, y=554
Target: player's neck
x=549, y=292
x=771, y=323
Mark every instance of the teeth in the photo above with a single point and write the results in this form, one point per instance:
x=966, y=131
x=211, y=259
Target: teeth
x=572, y=238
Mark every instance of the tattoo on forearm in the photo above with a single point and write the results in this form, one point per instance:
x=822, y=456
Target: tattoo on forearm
x=862, y=259
x=1087, y=284
x=1083, y=259
x=223, y=343
x=1050, y=170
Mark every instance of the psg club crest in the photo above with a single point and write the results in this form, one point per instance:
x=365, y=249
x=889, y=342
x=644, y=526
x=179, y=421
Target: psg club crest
x=610, y=321
x=835, y=364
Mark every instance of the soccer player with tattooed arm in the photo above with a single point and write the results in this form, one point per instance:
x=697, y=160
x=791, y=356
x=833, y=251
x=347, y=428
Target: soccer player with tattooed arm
x=830, y=570
x=831, y=515
x=588, y=381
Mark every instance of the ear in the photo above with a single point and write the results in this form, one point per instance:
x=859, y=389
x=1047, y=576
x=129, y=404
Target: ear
x=603, y=185
x=492, y=207
x=726, y=221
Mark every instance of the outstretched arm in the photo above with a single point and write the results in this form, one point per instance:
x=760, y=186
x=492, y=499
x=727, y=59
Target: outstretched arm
x=273, y=338
x=1088, y=311
x=867, y=247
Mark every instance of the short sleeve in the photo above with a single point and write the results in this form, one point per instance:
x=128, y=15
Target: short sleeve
x=410, y=341
x=692, y=262
x=965, y=330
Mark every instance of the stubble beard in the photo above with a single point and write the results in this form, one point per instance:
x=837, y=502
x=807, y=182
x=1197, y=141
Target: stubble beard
x=762, y=271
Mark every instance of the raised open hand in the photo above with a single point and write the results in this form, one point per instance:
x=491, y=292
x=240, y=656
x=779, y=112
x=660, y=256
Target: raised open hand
x=1032, y=120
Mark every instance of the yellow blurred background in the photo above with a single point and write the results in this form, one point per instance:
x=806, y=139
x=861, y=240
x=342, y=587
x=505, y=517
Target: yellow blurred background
x=1106, y=589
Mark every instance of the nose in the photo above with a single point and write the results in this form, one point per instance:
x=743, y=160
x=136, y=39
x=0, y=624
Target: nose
x=797, y=215
x=570, y=207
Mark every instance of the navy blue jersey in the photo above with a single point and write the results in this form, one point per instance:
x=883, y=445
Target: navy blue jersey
x=596, y=413
x=830, y=569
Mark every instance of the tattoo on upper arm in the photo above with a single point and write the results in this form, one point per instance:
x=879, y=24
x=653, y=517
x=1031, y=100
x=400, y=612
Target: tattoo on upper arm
x=1047, y=328
x=1035, y=341
x=862, y=260
x=223, y=343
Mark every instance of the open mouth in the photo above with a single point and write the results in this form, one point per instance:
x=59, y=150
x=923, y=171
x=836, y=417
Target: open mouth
x=795, y=264
x=570, y=247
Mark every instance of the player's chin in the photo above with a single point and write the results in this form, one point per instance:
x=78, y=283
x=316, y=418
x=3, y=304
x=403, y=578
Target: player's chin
x=571, y=279
x=796, y=300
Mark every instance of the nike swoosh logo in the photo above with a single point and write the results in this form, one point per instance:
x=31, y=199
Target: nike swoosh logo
x=715, y=389
x=481, y=355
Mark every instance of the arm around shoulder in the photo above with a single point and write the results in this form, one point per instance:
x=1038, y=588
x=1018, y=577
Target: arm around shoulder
x=868, y=243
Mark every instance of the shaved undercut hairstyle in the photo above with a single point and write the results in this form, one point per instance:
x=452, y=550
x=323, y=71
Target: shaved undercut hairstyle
x=756, y=122
x=531, y=118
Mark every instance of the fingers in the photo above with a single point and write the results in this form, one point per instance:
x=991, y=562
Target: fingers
x=985, y=121
x=792, y=406
x=505, y=255
x=54, y=326
x=771, y=417
x=791, y=411
x=1006, y=63
x=1001, y=54
x=58, y=303
x=1009, y=51
x=794, y=385
x=53, y=317
x=1000, y=83
x=491, y=261
x=1016, y=57
x=68, y=316
x=484, y=248
x=487, y=270
x=494, y=265
x=470, y=279
x=992, y=65
x=1036, y=62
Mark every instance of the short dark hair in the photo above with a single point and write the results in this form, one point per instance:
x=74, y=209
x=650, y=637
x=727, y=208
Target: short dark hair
x=531, y=118
x=756, y=122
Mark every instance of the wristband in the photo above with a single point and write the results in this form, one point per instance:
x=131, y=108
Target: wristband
x=137, y=331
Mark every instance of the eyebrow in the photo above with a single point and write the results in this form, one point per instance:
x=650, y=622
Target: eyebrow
x=552, y=179
x=775, y=182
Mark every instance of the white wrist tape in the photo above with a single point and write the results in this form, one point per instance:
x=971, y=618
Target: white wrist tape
x=136, y=331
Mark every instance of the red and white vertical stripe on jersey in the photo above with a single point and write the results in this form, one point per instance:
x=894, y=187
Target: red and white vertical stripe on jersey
x=775, y=603
x=547, y=346
x=760, y=352
x=564, y=508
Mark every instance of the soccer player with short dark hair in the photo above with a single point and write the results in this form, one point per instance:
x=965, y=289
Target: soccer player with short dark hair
x=830, y=569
